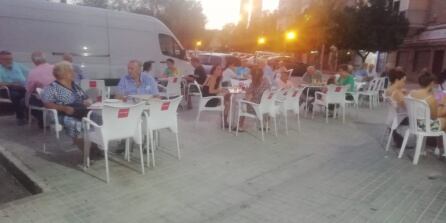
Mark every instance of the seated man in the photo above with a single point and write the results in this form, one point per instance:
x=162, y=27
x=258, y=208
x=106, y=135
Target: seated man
x=362, y=74
x=199, y=75
x=312, y=76
x=136, y=83
x=13, y=76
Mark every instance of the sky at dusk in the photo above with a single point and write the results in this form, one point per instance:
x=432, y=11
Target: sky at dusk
x=221, y=12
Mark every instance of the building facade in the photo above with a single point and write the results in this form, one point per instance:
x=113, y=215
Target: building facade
x=425, y=44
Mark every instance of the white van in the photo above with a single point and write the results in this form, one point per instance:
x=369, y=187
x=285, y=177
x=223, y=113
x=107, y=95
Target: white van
x=103, y=41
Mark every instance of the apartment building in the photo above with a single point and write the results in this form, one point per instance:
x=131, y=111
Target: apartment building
x=425, y=44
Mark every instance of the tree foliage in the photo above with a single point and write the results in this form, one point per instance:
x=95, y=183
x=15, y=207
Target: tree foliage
x=184, y=17
x=369, y=27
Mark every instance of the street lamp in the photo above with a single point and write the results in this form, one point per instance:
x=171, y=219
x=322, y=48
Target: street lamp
x=198, y=43
x=290, y=35
x=261, y=40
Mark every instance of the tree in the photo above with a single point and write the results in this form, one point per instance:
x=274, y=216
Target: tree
x=369, y=27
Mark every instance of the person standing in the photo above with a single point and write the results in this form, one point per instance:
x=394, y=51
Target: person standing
x=78, y=72
x=13, y=75
x=40, y=76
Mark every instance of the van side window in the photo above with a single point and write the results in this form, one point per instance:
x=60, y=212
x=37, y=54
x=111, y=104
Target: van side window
x=170, y=47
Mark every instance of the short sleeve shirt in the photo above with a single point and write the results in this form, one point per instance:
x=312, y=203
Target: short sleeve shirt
x=349, y=80
x=171, y=73
x=59, y=94
x=17, y=74
x=127, y=85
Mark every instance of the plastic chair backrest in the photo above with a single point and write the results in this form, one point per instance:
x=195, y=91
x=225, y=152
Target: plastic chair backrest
x=121, y=121
x=336, y=94
x=197, y=86
x=163, y=114
x=39, y=92
x=292, y=97
x=95, y=89
x=268, y=101
x=418, y=111
x=173, y=87
x=381, y=85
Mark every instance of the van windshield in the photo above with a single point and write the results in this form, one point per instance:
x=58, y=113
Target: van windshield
x=170, y=47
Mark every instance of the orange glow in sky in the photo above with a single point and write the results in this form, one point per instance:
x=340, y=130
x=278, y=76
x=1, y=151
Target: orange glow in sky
x=221, y=12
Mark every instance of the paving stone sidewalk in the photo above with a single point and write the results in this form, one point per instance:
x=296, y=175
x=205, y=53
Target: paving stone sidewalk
x=326, y=173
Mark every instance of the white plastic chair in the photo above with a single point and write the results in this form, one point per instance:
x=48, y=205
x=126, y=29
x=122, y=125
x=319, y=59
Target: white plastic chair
x=418, y=111
x=393, y=118
x=120, y=121
x=382, y=88
x=289, y=101
x=204, y=100
x=335, y=96
x=267, y=106
x=172, y=89
x=32, y=107
x=162, y=114
x=95, y=89
x=8, y=95
x=371, y=93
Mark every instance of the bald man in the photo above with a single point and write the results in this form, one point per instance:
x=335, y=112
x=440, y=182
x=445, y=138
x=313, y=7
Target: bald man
x=136, y=83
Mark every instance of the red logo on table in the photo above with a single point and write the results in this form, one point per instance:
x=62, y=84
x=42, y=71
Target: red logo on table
x=165, y=106
x=338, y=89
x=270, y=95
x=295, y=93
x=123, y=113
x=92, y=84
x=175, y=80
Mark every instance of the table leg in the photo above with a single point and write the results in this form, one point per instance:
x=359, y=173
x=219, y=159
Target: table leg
x=306, y=102
x=230, y=113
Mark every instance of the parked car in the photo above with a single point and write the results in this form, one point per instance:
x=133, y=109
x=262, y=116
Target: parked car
x=210, y=59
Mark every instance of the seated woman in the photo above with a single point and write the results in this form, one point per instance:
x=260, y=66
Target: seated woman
x=254, y=92
x=428, y=83
x=229, y=73
x=396, y=92
x=211, y=87
x=68, y=99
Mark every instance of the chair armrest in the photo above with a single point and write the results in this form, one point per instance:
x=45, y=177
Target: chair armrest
x=248, y=102
x=320, y=94
x=5, y=88
x=87, y=122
